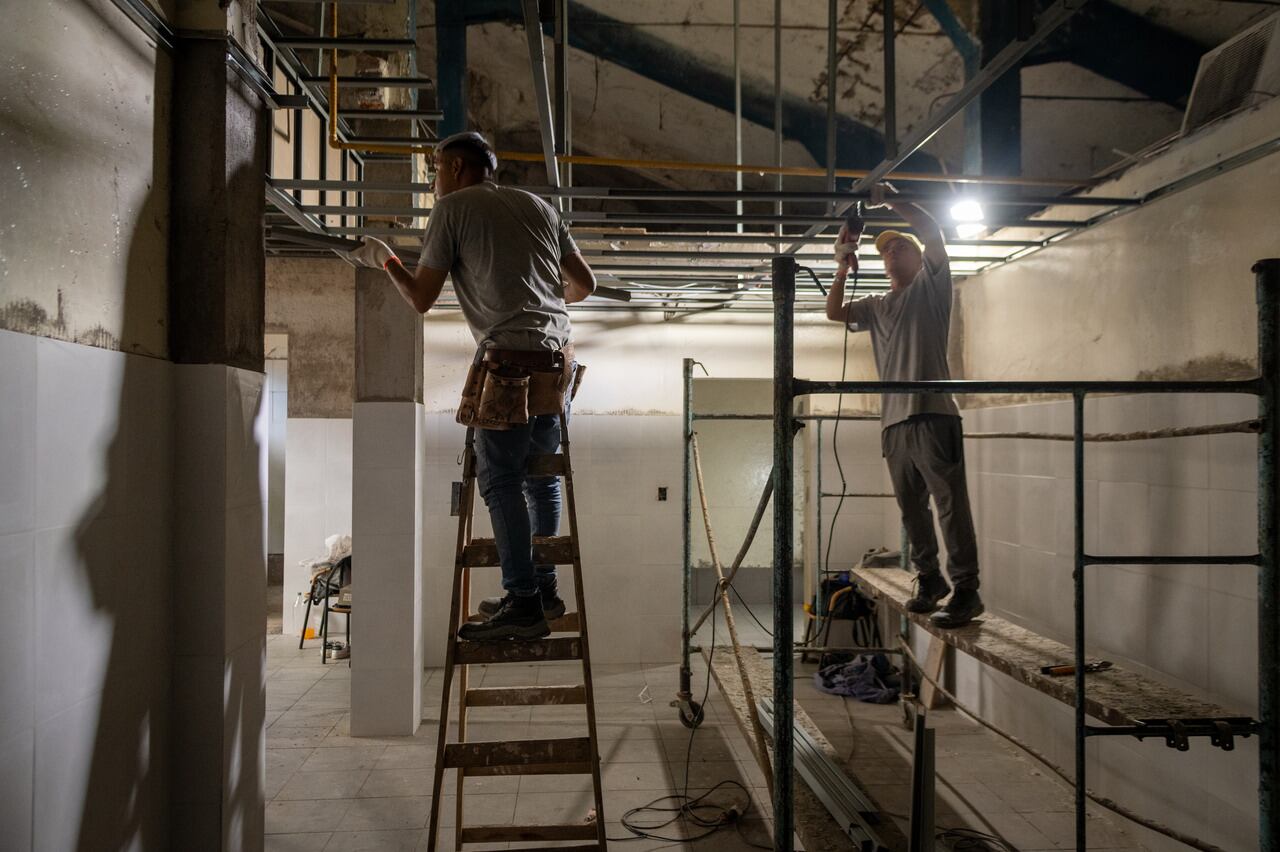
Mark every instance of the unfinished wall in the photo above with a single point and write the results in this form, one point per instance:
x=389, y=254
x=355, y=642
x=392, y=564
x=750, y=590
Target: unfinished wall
x=84, y=128
x=86, y=519
x=617, y=112
x=1161, y=292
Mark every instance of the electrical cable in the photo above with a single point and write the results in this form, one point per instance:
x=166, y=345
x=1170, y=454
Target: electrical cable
x=691, y=808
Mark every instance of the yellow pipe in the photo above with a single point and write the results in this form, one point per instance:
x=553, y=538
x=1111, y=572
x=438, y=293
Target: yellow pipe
x=805, y=171
x=369, y=147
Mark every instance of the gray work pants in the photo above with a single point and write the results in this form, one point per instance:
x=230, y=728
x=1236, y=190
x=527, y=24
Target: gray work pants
x=926, y=457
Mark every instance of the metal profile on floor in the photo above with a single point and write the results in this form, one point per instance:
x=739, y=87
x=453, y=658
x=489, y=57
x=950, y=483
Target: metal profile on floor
x=847, y=804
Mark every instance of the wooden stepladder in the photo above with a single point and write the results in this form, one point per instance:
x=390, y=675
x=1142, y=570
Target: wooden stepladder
x=568, y=641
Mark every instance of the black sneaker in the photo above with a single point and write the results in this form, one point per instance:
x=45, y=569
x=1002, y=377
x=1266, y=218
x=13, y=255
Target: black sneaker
x=516, y=618
x=552, y=606
x=930, y=588
x=965, y=605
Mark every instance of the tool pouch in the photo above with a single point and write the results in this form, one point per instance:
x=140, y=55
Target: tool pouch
x=504, y=402
x=504, y=388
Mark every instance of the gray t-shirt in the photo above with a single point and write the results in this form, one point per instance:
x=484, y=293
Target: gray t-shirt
x=502, y=247
x=909, y=331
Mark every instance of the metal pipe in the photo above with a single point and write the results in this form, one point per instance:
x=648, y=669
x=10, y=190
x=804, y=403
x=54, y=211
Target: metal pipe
x=818, y=417
x=1267, y=279
x=1252, y=559
x=820, y=599
x=817, y=223
x=582, y=232
x=890, y=83
x=737, y=103
x=797, y=171
x=833, y=19
x=1253, y=386
x=686, y=573
x=541, y=91
x=777, y=102
x=665, y=194
x=1077, y=577
x=784, y=280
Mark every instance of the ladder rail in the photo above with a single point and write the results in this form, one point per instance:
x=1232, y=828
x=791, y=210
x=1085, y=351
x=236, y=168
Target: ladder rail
x=460, y=655
x=579, y=593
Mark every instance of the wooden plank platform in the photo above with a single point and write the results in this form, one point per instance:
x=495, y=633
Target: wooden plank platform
x=815, y=827
x=1116, y=696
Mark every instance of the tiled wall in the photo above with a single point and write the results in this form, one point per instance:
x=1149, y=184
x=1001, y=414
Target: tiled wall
x=386, y=655
x=277, y=402
x=218, y=696
x=317, y=502
x=630, y=540
x=85, y=612
x=1192, y=626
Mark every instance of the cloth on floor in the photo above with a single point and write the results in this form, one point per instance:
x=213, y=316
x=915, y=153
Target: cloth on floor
x=868, y=677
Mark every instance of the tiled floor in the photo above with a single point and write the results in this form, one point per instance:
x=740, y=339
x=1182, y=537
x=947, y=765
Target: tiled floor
x=329, y=791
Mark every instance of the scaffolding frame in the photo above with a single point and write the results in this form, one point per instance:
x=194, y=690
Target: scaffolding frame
x=788, y=388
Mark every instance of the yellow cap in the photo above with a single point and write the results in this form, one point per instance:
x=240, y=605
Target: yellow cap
x=885, y=237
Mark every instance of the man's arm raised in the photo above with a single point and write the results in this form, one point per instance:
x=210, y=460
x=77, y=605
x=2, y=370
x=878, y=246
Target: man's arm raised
x=924, y=225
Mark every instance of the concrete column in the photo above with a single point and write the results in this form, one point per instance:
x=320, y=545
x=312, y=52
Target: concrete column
x=220, y=133
x=386, y=512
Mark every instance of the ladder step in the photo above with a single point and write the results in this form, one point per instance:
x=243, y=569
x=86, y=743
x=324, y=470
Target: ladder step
x=535, y=651
x=525, y=696
x=547, y=550
x=567, y=623
x=589, y=847
x=531, y=769
x=509, y=833
x=517, y=752
x=546, y=465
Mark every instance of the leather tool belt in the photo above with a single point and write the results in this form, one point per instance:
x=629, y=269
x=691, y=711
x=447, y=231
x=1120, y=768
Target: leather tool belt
x=505, y=387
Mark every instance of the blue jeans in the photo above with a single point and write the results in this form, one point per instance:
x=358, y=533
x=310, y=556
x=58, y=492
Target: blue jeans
x=520, y=506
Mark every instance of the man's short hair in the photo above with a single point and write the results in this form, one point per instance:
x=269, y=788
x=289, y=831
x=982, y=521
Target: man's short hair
x=473, y=149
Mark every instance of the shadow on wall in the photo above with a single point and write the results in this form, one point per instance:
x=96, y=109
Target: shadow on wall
x=164, y=768
x=126, y=798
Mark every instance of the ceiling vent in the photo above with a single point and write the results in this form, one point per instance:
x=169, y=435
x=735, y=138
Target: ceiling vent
x=1238, y=74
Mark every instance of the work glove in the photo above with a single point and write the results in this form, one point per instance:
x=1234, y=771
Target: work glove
x=846, y=248
x=879, y=193
x=373, y=253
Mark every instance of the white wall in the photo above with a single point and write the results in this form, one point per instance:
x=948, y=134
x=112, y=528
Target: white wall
x=277, y=401
x=85, y=535
x=1161, y=292
x=317, y=503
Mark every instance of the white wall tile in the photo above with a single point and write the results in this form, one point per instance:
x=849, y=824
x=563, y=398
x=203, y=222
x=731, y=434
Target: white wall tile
x=200, y=397
x=77, y=580
x=78, y=414
x=65, y=747
x=17, y=787
x=385, y=702
x=1233, y=650
x=18, y=426
x=18, y=632
x=383, y=501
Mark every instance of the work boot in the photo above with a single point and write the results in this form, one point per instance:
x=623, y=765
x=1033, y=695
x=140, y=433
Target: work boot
x=930, y=588
x=552, y=605
x=965, y=605
x=515, y=618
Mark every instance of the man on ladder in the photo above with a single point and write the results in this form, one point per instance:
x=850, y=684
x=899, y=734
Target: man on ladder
x=506, y=251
